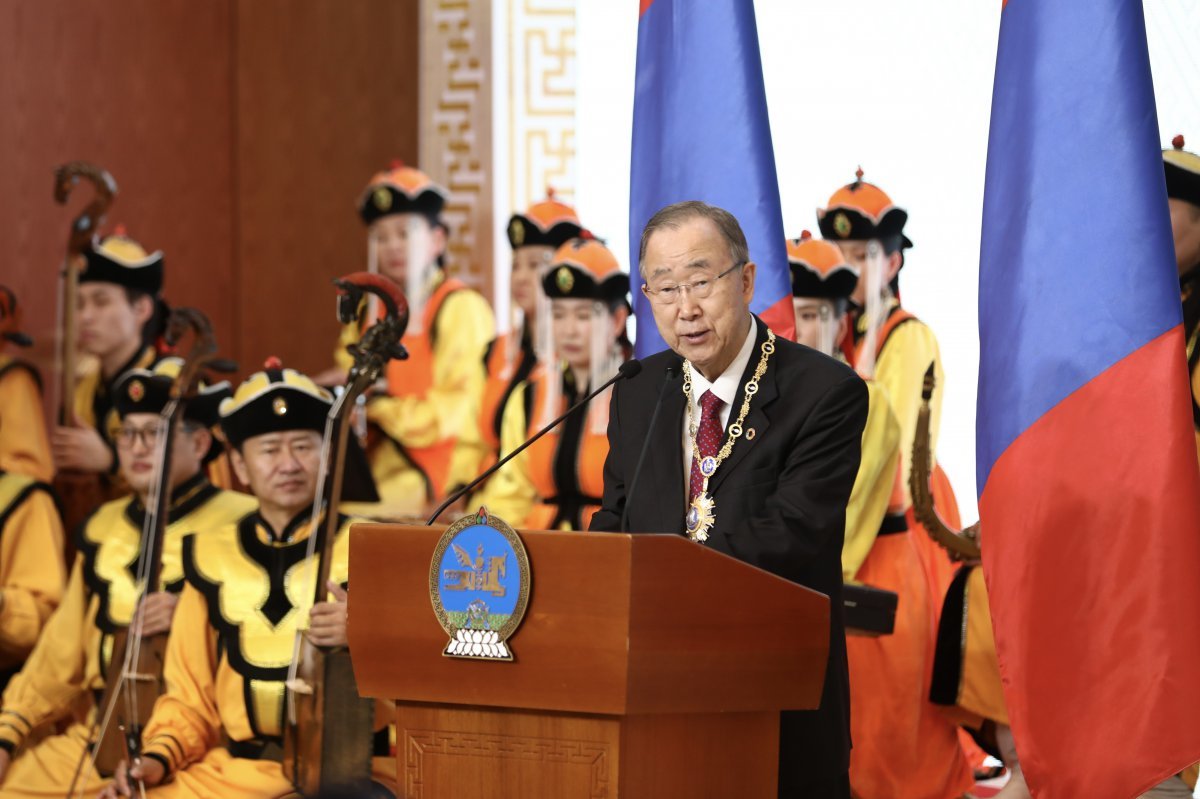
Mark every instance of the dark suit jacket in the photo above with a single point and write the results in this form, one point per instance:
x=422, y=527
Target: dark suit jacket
x=780, y=502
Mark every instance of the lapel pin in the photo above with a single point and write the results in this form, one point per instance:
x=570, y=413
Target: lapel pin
x=750, y=434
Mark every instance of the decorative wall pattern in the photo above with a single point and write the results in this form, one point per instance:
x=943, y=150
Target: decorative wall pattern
x=456, y=127
x=541, y=96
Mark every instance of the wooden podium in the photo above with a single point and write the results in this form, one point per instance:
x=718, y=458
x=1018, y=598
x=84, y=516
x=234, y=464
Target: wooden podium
x=646, y=666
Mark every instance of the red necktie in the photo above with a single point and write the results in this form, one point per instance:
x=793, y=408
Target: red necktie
x=708, y=439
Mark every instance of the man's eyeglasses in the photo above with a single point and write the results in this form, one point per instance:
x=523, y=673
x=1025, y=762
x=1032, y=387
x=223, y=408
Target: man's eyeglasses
x=126, y=436
x=697, y=289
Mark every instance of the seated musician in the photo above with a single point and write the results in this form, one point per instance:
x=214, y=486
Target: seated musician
x=31, y=566
x=24, y=445
x=66, y=672
x=218, y=729
x=118, y=315
x=557, y=483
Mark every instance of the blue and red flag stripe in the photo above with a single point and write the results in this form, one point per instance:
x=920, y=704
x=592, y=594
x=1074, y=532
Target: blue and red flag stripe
x=700, y=132
x=1090, y=490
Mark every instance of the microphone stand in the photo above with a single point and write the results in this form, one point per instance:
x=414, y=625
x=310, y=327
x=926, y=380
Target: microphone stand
x=627, y=369
x=672, y=373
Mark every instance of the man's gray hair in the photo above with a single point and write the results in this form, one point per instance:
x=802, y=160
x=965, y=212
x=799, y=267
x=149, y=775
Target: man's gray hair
x=675, y=215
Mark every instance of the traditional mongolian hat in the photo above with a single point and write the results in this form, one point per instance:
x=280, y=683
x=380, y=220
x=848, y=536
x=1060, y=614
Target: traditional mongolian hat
x=401, y=189
x=549, y=223
x=121, y=260
x=1183, y=172
x=862, y=211
x=274, y=400
x=584, y=268
x=149, y=390
x=819, y=270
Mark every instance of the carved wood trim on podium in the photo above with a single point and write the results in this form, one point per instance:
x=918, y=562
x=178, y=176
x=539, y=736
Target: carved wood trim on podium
x=584, y=765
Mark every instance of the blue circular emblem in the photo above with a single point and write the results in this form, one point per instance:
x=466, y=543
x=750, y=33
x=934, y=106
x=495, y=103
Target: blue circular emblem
x=479, y=584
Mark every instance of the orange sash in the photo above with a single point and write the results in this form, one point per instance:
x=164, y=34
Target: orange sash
x=414, y=377
x=590, y=452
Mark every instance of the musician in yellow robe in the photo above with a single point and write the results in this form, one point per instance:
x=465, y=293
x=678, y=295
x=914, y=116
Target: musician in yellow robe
x=558, y=482
x=24, y=445
x=31, y=566
x=895, y=349
x=424, y=439
x=118, y=301
x=60, y=682
x=217, y=732
x=822, y=282
x=534, y=236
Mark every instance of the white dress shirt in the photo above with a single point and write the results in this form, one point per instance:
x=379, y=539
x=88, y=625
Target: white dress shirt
x=725, y=387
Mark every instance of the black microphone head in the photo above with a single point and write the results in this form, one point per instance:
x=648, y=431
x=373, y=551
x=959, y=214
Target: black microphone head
x=630, y=368
x=672, y=371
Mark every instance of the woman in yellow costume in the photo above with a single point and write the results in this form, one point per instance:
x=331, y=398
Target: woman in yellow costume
x=557, y=483
x=534, y=237
x=423, y=439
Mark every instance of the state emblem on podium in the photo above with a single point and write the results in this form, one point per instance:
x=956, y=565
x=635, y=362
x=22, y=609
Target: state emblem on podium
x=479, y=583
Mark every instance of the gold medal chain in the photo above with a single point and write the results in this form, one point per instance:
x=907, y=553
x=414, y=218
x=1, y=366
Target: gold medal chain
x=735, y=429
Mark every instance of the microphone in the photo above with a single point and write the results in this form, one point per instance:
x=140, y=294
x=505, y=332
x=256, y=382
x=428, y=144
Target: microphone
x=628, y=369
x=672, y=374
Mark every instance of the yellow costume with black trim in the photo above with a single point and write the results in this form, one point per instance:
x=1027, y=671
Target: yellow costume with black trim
x=24, y=444
x=65, y=673
x=93, y=401
x=228, y=656
x=31, y=566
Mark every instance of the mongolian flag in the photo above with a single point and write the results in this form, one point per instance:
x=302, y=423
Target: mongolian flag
x=1090, y=498
x=700, y=132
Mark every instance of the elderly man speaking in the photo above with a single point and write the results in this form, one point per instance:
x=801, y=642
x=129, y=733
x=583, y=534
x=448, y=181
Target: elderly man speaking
x=754, y=452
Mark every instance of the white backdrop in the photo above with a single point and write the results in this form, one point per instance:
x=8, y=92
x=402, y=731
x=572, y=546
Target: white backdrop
x=904, y=89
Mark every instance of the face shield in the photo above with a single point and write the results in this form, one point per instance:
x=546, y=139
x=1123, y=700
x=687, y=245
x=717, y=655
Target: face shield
x=875, y=307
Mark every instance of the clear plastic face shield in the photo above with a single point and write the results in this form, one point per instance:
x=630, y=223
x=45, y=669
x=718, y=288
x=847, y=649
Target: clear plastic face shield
x=403, y=243
x=817, y=323
x=535, y=260
x=604, y=361
x=876, y=277
x=547, y=353
x=598, y=341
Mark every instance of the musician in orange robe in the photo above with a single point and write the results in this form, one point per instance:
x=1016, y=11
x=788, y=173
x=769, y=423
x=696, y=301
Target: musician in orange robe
x=425, y=438
x=893, y=348
x=557, y=483
x=534, y=236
